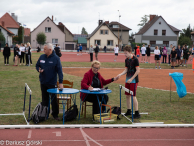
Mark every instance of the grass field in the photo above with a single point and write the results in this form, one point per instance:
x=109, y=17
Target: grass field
x=155, y=102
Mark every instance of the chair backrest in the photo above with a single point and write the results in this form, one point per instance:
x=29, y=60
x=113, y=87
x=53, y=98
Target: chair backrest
x=66, y=84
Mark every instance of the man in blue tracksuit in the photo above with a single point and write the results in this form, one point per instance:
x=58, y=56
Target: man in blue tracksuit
x=49, y=65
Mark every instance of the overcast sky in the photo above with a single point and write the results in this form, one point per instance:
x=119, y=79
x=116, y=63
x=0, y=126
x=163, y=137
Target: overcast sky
x=75, y=14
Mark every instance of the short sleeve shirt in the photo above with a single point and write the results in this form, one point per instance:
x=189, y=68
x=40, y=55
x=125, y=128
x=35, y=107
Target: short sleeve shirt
x=131, y=65
x=143, y=50
x=173, y=53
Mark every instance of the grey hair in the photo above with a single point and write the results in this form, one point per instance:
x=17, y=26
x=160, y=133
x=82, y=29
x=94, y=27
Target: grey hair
x=49, y=46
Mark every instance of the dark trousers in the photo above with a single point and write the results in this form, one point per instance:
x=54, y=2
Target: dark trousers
x=6, y=58
x=27, y=59
x=164, y=58
x=22, y=57
x=91, y=57
x=168, y=59
x=45, y=99
x=93, y=98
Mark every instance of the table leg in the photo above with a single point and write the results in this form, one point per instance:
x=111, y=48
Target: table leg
x=81, y=102
x=132, y=106
x=100, y=108
x=49, y=105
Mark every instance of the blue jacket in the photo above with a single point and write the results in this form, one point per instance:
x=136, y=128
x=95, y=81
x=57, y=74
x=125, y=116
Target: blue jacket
x=179, y=51
x=51, y=66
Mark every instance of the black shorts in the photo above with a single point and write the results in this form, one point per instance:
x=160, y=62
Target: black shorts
x=20, y=56
x=143, y=54
x=148, y=55
x=178, y=58
x=116, y=54
x=157, y=57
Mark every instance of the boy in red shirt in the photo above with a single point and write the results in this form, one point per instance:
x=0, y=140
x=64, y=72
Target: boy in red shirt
x=137, y=52
x=131, y=70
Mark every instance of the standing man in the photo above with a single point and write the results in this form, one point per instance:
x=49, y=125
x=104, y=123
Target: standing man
x=143, y=52
x=131, y=70
x=105, y=49
x=135, y=48
x=116, y=50
x=169, y=53
x=178, y=58
x=49, y=65
x=80, y=48
x=57, y=50
x=96, y=51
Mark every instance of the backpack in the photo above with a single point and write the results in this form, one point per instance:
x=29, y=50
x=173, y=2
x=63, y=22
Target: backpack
x=39, y=114
x=115, y=110
x=71, y=113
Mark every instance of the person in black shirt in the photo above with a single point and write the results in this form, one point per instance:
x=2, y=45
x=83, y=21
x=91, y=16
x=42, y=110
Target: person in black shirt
x=57, y=50
x=135, y=48
x=173, y=57
x=16, y=56
x=6, y=54
x=96, y=51
x=148, y=54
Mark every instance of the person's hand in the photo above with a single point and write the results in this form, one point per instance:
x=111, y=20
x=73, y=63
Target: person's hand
x=60, y=86
x=90, y=88
x=129, y=81
x=116, y=78
x=40, y=70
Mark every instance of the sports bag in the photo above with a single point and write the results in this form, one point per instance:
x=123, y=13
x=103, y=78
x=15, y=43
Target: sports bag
x=115, y=110
x=71, y=113
x=39, y=114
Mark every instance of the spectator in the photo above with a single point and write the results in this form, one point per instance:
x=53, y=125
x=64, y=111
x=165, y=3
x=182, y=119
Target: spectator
x=116, y=50
x=77, y=47
x=164, y=55
x=143, y=52
x=57, y=50
x=135, y=49
x=22, y=49
x=6, y=54
x=192, y=52
x=38, y=49
x=148, y=50
x=105, y=49
x=16, y=50
x=93, y=79
x=138, y=53
x=157, y=58
x=187, y=54
x=168, y=52
x=173, y=57
x=91, y=50
x=48, y=76
x=96, y=51
x=160, y=53
x=28, y=54
x=80, y=48
x=178, y=58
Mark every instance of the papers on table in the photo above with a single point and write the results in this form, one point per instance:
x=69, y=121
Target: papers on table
x=95, y=90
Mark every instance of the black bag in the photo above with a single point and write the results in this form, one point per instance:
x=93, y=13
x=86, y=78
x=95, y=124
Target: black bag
x=39, y=114
x=59, y=54
x=71, y=113
x=115, y=110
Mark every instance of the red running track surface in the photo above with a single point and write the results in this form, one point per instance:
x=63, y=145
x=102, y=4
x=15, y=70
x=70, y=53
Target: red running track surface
x=99, y=137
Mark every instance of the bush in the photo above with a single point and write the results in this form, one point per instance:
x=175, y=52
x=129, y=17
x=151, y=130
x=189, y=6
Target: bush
x=41, y=38
x=2, y=38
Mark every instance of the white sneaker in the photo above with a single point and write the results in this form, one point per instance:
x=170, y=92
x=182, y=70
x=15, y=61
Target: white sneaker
x=5, y=64
x=31, y=64
x=159, y=67
x=156, y=67
x=184, y=65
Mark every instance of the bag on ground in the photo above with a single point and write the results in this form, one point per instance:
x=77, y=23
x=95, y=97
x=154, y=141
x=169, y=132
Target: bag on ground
x=39, y=114
x=115, y=110
x=71, y=113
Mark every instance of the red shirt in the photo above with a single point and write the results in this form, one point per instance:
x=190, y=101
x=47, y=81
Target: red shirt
x=87, y=81
x=137, y=51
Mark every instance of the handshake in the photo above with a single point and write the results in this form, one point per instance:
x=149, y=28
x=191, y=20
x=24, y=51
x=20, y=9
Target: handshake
x=117, y=77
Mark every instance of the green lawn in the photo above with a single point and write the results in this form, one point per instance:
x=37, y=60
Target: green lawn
x=155, y=102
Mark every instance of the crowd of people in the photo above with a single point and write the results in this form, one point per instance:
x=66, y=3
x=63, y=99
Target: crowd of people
x=176, y=56
x=22, y=54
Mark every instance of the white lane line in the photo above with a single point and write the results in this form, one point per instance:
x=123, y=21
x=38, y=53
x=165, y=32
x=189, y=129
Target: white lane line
x=86, y=137
x=58, y=133
x=29, y=133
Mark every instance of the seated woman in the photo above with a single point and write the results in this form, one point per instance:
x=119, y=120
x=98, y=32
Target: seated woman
x=93, y=79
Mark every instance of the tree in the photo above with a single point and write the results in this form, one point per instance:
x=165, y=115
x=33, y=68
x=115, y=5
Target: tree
x=84, y=31
x=187, y=32
x=20, y=34
x=41, y=38
x=184, y=40
x=2, y=37
x=143, y=21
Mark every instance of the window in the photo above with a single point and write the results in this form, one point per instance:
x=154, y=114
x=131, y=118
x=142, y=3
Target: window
x=115, y=26
x=152, y=43
x=166, y=43
x=106, y=31
x=159, y=22
x=54, y=41
x=97, y=42
x=155, y=32
x=110, y=43
x=47, y=29
x=163, y=32
x=101, y=31
x=47, y=20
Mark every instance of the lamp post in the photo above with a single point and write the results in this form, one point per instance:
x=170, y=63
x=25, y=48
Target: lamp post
x=118, y=28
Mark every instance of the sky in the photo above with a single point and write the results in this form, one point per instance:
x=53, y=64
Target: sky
x=75, y=14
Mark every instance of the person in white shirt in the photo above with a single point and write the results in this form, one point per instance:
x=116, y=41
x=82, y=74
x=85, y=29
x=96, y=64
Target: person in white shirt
x=22, y=49
x=157, y=57
x=116, y=50
x=143, y=52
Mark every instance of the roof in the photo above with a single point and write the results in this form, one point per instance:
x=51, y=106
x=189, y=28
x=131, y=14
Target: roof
x=11, y=33
x=81, y=40
x=122, y=27
x=89, y=36
x=50, y=20
x=26, y=31
x=9, y=21
x=149, y=24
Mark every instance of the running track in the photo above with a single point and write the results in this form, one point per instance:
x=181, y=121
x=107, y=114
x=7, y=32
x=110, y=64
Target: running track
x=99, y=137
